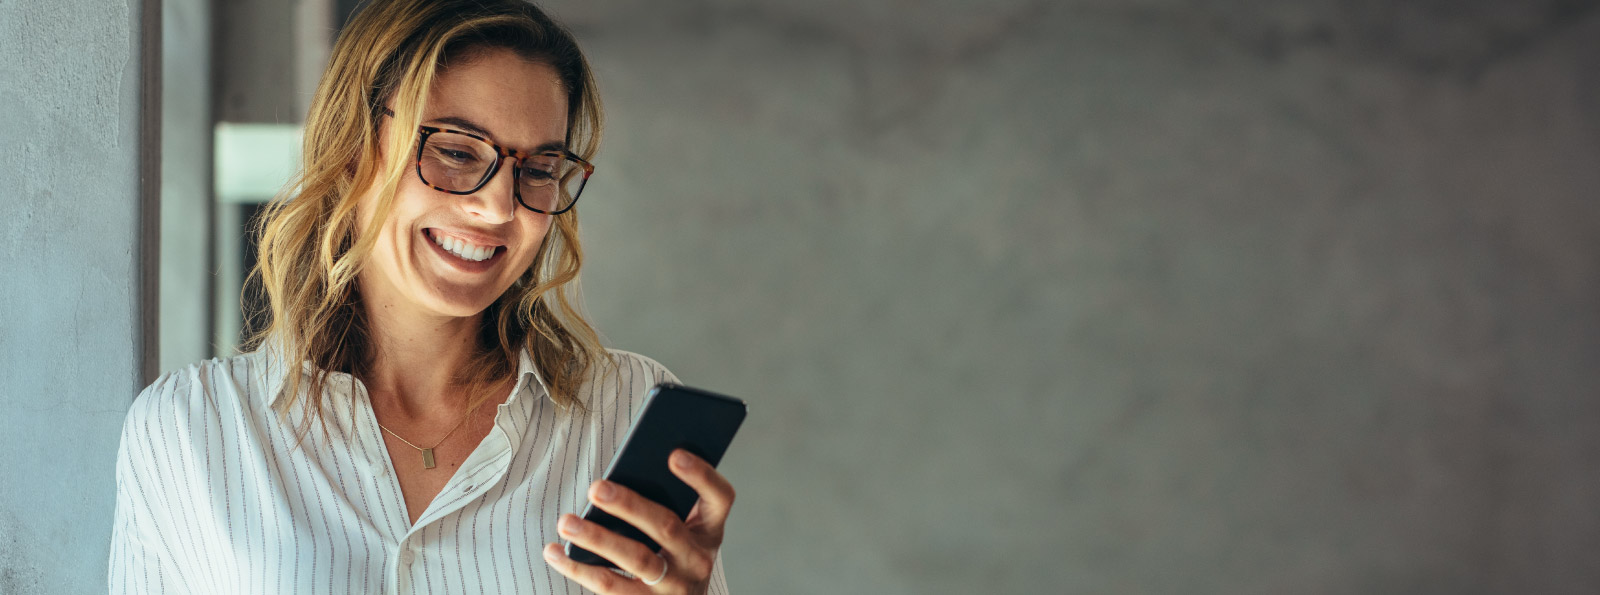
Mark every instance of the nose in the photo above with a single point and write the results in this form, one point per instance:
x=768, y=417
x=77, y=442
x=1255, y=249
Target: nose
x=496, y=201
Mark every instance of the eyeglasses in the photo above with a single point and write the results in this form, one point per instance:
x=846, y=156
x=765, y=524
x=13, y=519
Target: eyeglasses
x=461, y=163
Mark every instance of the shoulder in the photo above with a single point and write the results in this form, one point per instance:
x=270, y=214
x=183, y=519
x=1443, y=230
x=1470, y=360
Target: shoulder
x=627, y=362
x=621, y=382
x=189, y=397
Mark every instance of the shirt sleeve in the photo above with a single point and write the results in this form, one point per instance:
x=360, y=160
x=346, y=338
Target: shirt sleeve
x=140, y=561
x=719, y=583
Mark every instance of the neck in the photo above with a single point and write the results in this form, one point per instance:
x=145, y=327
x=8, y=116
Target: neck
x=415, y=357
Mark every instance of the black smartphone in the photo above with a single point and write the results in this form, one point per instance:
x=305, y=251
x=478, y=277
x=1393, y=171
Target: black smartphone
x=673, y=416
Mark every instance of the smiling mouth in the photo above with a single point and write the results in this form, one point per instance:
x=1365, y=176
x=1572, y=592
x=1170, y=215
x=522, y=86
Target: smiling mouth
x=463, y=249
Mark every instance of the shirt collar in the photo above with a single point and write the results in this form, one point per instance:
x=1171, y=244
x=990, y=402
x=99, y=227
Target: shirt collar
x=525, y=368
x=274, y=361
x=274, y=368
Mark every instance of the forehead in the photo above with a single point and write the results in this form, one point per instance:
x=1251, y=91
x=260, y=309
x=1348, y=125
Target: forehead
x=518, y=103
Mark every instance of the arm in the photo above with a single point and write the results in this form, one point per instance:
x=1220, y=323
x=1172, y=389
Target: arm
x=139, y=561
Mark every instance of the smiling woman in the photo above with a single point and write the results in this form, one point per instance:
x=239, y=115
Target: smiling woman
x=421, y=268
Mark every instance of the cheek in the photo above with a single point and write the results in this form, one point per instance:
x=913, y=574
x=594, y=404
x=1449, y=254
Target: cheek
x=537, y=235
x=388, y=232
x=364, y=209
x=367, y=207
x=543, y=228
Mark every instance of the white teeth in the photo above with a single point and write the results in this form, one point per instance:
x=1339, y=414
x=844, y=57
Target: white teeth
x=464, y=250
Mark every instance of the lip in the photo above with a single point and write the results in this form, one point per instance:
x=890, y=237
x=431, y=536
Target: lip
x=459, y=263
x=474, y=238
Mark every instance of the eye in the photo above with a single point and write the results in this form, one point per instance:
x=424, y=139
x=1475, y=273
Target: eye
x=453, y=154
x=534, y=173
x=541, y=168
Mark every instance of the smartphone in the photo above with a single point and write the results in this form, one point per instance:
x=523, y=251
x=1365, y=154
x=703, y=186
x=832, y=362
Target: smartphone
x=673, y=416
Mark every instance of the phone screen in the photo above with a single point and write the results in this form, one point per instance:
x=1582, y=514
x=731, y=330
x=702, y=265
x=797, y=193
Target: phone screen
x=673, y=417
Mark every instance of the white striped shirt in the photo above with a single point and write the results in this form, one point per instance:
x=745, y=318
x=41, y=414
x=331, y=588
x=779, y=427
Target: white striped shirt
x=212, y=497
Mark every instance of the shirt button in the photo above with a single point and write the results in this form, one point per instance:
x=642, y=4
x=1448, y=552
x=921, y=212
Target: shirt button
x=406, y=557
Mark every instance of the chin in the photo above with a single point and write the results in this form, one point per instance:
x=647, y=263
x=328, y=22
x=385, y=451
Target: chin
x=461, y=306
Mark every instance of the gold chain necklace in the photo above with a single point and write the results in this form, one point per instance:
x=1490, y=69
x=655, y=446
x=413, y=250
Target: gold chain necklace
x=427, y=453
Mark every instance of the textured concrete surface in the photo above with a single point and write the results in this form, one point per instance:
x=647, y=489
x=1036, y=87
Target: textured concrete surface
x=68, y=361
x=1137, y=296
x=1108, y=296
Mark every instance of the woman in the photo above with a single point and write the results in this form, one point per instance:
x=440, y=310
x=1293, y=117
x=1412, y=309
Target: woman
x=425, y=409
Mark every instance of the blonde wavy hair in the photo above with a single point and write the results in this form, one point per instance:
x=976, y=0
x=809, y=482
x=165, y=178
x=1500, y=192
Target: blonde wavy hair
x=309, y=254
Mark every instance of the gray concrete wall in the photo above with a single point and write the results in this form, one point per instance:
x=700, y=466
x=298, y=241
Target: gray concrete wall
x=71, y=338
x=1106, y=296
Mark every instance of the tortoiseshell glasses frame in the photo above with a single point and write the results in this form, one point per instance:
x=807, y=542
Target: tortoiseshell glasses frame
x=567, y=177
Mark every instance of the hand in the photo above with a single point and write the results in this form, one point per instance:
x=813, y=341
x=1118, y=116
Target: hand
x=688, y=547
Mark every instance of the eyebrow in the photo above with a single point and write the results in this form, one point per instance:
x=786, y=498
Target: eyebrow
x=473, y=127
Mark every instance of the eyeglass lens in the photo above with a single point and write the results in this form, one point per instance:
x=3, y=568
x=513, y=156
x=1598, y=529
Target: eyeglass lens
x=459, y=163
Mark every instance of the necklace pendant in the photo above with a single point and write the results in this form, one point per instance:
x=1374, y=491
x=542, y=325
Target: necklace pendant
x=427, y=458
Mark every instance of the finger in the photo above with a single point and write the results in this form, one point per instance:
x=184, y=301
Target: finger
x=627, y=554
x=655, y=520
x=595, y=578
x=716, y=493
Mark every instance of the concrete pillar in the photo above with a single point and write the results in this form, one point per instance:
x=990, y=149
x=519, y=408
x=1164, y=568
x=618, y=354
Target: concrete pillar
x=77, y=275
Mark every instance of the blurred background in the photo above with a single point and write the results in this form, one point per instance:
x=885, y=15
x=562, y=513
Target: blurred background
x=1073, y=296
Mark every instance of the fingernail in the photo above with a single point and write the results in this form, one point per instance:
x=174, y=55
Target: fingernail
x=550, y=552
x=604, y=491
x=680, y=459
x=569, y=525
